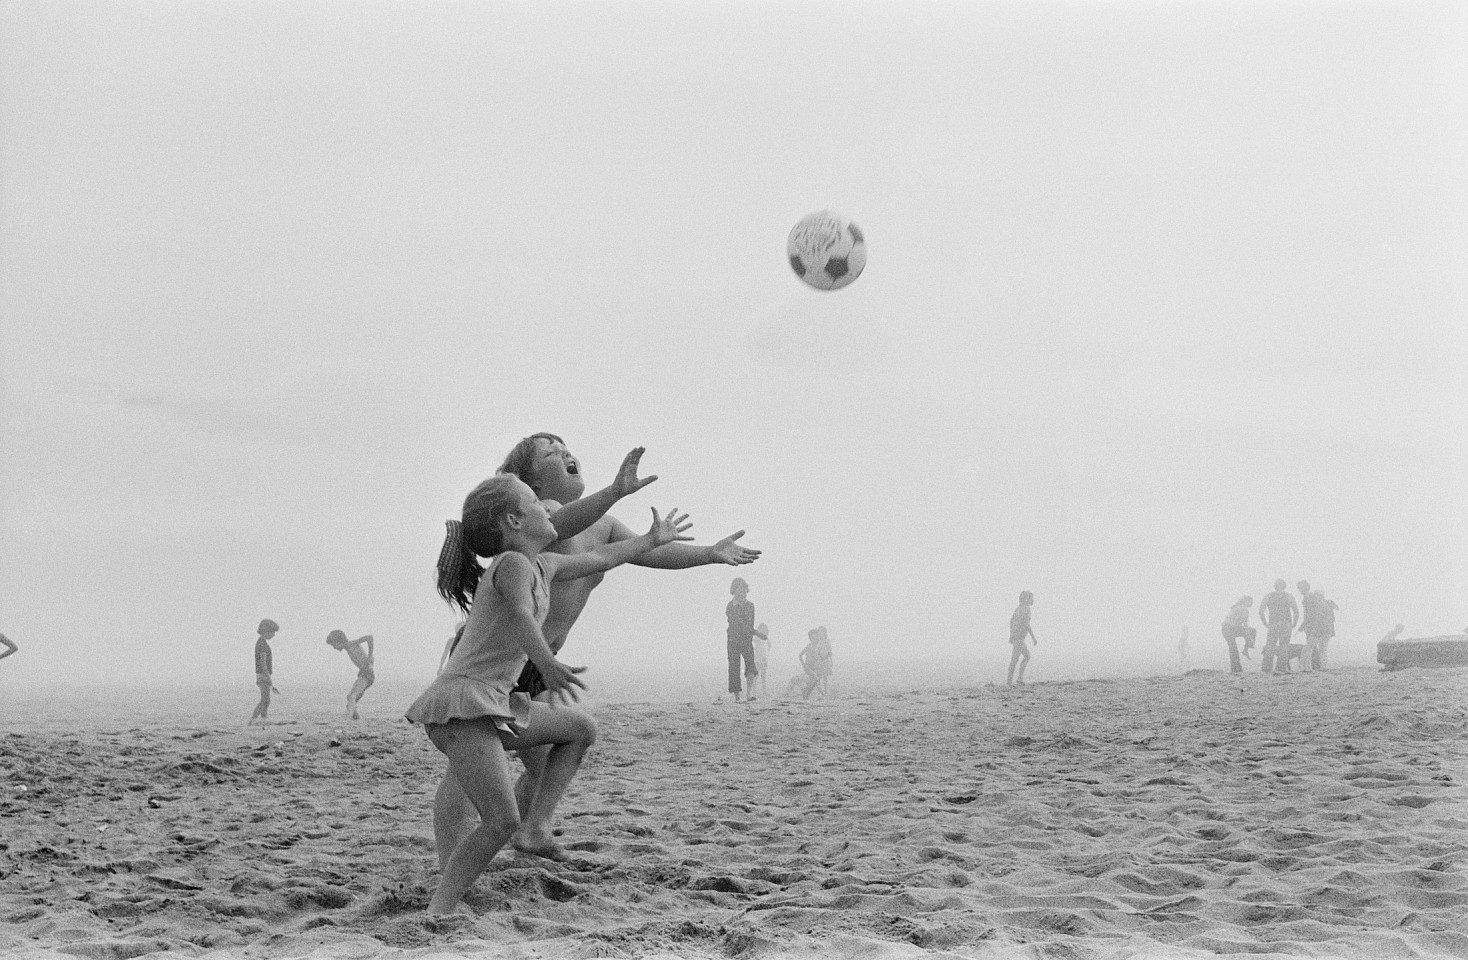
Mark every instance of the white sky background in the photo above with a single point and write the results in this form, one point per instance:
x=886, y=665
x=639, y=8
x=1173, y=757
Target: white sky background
x=1163, y=301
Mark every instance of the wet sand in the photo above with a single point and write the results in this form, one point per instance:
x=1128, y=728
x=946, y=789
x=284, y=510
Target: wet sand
x=1309, y=816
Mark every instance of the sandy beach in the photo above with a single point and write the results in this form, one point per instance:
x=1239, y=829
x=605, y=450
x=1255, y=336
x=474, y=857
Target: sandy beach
x=1310, y=816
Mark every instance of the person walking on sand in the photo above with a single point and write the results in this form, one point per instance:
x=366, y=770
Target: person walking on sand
x=471, y=712
x=1306, y=608
x=1318, y=626
x=761, y=659
x=543, y=463
x=264, y=668
x=9, y=646
x=362, y=659
x=1280, y=615
x=1236, y=625
x=1019, y=633
x=1322, y=649
x=740, y=643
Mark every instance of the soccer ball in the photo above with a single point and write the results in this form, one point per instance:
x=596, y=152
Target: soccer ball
x=827, y=250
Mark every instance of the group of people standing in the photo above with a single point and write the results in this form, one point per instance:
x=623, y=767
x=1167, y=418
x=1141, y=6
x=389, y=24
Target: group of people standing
x=748, y=645
x=1313, y=616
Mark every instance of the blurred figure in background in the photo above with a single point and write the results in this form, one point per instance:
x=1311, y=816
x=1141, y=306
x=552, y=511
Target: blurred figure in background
x=1020, y=633
x=762, y=659
x=1280, y=614
x=1236, y=625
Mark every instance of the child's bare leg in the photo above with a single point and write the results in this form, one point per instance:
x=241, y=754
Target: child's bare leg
x=478, y=763
x=534, y=759
x=1016, y=651
x=358, y=688
x=262, y=709
x=569, y=733
x=454, y=818
x=1024, y=661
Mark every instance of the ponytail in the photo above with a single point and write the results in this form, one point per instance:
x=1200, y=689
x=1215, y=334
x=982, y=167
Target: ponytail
x=458, y=571
x=477, y=535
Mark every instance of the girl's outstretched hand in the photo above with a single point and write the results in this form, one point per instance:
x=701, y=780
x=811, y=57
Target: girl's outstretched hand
x=627, y=482
x=669, y=529
x=562, y=681
x=728, y=550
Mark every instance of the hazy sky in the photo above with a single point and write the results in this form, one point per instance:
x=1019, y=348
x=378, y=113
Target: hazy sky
x=1163, y=301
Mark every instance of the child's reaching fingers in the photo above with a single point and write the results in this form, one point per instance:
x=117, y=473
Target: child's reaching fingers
x=627, y=481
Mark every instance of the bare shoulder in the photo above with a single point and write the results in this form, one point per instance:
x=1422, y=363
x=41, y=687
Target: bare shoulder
x=513, y=574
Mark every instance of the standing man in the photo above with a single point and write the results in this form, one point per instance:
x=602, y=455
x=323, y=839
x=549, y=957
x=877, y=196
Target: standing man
x=1281, y=615
x=1307, y=621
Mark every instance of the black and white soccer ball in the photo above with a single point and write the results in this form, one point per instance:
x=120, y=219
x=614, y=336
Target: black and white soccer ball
x=827, y=250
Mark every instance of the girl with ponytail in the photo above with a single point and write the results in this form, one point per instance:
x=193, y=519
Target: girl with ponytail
x=470, y=711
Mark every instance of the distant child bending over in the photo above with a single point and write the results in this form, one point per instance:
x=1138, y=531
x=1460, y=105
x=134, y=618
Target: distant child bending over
x=263, y=668
x=470, y=711
x=740, y=638
x=1019, y=633
x=361, y=659
x=816, y=661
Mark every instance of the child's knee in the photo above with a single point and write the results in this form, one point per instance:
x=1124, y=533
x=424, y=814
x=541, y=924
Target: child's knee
x=584, y=729
x=503, y=820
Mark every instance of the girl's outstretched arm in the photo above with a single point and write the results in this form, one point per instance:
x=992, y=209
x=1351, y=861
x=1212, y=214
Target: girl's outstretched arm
x=665, y=530
x=682, y=556
x=576, y=516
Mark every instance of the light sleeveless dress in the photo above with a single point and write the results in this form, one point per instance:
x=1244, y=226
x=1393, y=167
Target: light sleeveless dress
x=478, y=679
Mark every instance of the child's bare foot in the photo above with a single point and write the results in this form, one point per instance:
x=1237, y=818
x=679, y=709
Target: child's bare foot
x=537, y=844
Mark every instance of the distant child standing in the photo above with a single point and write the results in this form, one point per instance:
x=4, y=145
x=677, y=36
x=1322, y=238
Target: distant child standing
x=1019, y=633
x=361, y=659
x=761, y=659
x=264, y=665
x=470, y=711
x=741, y=638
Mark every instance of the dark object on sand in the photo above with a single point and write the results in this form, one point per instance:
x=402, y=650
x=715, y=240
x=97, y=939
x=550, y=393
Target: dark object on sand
x=1449, y=651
